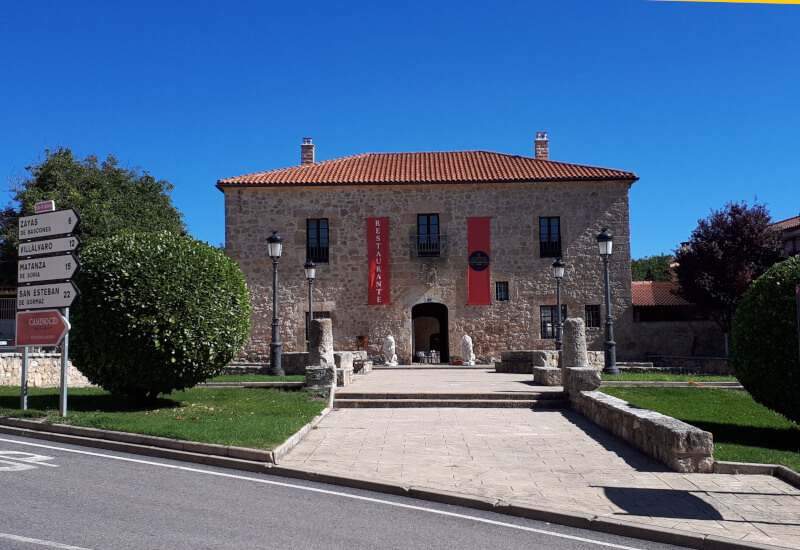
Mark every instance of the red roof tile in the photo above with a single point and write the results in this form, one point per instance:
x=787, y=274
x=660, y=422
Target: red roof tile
x=434, y=167
x=790, y=223
x=657, y=293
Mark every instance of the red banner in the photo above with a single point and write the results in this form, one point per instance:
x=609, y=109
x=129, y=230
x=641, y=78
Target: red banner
x=479, y=274
x=378, y=261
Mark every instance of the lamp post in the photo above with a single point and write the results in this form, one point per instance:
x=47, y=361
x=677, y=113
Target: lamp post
x=274, y=248
x=558, y=273
x=605, y=243
x=311, y=272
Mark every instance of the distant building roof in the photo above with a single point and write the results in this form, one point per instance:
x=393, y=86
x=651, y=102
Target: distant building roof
x=657, y=293
x=420, y=168
x=789, y=223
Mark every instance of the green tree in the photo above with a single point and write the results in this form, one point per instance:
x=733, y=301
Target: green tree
x=159, y=312
x=110, y=200
x=651, y=268
x=765, y=353
x=725, y=254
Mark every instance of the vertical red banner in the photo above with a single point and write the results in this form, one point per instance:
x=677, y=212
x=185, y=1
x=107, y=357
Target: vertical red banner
x=378, y=261
x=479, y=274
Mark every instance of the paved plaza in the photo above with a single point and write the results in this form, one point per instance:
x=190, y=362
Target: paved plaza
x=555, y=459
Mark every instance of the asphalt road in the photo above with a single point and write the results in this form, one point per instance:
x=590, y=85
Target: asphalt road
x=62, y=496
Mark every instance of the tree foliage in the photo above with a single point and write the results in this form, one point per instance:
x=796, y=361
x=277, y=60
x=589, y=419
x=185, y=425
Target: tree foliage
x=651, y=268
x=725, y=254
x=765, y=354
x=110, y=200
x=159, y=312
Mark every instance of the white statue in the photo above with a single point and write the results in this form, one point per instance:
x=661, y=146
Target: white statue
x=466, y=350
x=388, y=350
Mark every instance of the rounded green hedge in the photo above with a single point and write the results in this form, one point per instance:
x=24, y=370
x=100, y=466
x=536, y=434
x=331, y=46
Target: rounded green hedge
x=764, y=353
x=158, y=312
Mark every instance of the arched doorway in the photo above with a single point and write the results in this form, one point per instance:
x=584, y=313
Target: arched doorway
x=429, y=326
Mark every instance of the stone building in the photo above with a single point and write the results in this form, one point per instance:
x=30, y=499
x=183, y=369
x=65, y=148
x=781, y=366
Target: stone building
x=428, y=247
x=790, y=234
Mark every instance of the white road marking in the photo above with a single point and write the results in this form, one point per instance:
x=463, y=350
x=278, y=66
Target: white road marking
x=40, y=542
x=18, y=461
x=326, y=492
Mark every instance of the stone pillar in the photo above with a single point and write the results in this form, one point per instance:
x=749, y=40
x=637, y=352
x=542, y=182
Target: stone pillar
x=576, y=374
x=320, y=342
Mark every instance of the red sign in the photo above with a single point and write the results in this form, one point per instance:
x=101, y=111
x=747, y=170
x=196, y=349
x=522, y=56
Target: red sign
x=478, y=272
x=40, y=328
x=378, y=261
x=46, y=206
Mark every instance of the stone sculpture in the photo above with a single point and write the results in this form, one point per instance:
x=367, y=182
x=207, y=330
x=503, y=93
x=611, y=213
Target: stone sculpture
x=389, y=350
x=466, y=350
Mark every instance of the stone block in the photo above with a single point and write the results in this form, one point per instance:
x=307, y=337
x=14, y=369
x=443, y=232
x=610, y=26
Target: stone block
x=574, y=354
x=344, y=377
x=547, y=376
x=320, y=377
x=343, y=359
x=362, y=367
x=578, y=379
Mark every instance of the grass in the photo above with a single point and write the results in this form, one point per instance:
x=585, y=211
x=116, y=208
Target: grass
x=744, y=431
x=248, y=417
x=258, y=378
x=658, y=377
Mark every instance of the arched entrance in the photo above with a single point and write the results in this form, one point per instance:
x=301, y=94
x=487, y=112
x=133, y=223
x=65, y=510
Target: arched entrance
x=429, y=326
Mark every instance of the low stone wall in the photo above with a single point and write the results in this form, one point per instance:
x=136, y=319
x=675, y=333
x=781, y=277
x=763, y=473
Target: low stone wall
x=693, y=365
x=680, y=446
x=44, y=371
x=523, y=361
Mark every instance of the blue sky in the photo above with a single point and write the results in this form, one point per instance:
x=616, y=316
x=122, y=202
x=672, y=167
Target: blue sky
x=701, y=100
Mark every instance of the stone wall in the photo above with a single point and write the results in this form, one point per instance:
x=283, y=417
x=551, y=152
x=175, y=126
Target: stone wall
x=701, y=338
x=522, y=361
x=251, y=214
x=44, y=371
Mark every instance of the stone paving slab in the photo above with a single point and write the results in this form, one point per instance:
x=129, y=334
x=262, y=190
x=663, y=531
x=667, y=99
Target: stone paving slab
x=556, y=459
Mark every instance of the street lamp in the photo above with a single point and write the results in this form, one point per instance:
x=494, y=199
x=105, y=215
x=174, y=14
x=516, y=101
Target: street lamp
x=605, y=243
x=274, y=249
x=311, y=272
x=558, y=273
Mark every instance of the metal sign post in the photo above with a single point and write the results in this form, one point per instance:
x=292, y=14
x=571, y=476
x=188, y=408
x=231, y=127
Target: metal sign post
x=23, y=381
x=62, y=401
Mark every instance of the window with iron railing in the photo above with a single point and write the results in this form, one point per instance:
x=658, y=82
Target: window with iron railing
x=592, y=316
x=501, y=288
x=428, y=235
x=549, y=237
x=549, y=319
x=317, y=240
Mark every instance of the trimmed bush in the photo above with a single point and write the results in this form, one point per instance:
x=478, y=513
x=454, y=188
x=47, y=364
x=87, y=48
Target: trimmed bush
x=158, y=312
x=765, y=354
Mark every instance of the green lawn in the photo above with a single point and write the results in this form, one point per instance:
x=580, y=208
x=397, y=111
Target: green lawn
x=248, y=417
x=257, y=378
x=744, y=431
x=658, y=377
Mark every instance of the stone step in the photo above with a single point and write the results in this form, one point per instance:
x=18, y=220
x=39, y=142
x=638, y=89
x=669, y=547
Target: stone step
x=451, y=403
x=486, y=396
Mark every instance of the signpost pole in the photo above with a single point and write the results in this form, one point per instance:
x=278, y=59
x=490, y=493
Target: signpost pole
x=62, y=402
x=23, y=380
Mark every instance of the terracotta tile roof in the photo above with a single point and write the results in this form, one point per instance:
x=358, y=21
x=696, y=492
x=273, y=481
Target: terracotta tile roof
x=434, y=167
x=790, y=223
x=657, y=293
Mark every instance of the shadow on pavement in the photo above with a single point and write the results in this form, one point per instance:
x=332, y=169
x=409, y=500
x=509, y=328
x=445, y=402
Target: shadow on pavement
x=663, y=503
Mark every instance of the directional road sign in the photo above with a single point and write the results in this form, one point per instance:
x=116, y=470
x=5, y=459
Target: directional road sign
x=49, y=296
x=54, y=268
x=40, y=328
x=49, y=224
x=50, y=246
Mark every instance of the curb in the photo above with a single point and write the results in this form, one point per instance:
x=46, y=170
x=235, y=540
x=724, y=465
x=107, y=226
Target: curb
x=253, y=460
x=747, y=468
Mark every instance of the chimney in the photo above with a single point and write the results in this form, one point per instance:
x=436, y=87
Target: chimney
x=307, y=152
x=542, y=146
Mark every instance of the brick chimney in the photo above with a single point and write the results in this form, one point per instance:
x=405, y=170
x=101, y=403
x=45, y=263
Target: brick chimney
x=542, y=146
x=307, y=152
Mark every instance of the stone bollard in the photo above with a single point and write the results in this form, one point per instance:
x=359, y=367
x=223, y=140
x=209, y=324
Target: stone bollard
x=467, y=354
x=321, y=372
x=320, y=342
x=576, y=374
x=389, y=350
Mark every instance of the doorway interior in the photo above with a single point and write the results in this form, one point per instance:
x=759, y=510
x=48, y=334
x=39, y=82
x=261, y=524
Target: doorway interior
x=429, y=324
